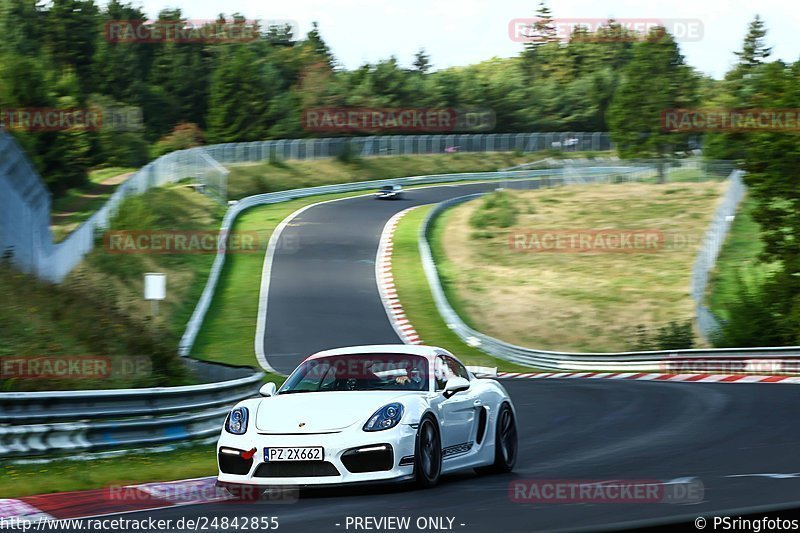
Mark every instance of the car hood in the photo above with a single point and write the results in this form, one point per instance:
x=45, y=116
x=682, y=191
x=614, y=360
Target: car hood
x=321, y=412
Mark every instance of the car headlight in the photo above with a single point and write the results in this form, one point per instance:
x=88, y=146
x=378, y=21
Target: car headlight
x=386, y=417
x=237, y=421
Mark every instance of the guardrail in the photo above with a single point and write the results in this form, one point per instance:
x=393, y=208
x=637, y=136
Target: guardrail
x=729, y=360
x=553, y=177
x=51, y=423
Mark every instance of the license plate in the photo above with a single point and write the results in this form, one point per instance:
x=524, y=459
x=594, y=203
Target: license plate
x=308, y=453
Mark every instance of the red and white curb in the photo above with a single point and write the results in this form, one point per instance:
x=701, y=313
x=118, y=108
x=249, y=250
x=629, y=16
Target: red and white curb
x=644, y=376
x=113, y=500
x=386, y=287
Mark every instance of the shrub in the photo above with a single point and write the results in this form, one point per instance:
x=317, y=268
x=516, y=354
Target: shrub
x=347, y=155
x=677, y=335
x=185, y=135
x=276, y=161
x=497, y=210
x=756, y=316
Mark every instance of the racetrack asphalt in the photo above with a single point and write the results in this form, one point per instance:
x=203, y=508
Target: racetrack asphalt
x=323, y=292
x=323, y=295
x=586, y=429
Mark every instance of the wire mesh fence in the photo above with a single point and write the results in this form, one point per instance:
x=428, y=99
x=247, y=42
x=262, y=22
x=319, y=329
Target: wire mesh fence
x=303, y=149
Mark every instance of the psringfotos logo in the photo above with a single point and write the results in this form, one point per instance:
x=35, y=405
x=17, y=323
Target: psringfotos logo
x=397, y=119
x=538, y=30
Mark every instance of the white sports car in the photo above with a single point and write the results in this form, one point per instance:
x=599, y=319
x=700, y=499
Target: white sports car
x=369, y=414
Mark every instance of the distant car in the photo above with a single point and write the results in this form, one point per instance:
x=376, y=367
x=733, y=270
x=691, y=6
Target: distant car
x=390, y=192
x=369, y=414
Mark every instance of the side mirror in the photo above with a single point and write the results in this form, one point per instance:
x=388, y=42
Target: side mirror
x=269, y=389
x=454, y=385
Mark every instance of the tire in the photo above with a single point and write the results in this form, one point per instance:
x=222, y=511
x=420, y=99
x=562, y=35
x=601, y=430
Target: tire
x=428, y=454
x=505, y=443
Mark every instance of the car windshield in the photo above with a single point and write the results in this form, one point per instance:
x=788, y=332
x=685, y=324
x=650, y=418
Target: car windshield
x=362, y=372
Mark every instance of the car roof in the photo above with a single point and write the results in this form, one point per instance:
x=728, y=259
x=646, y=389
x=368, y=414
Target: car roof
x=409, y=349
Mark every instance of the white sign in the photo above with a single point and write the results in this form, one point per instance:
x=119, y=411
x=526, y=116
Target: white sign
x=155, y=286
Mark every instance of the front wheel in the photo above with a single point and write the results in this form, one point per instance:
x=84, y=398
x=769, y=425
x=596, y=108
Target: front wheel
x=505, y=442
x=428, y=454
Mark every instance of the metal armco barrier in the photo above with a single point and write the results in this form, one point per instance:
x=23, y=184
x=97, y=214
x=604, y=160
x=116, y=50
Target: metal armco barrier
x=54, y=422
x=728, y=360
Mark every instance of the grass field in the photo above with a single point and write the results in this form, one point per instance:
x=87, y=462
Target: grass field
x=77, y=205
x=164, y=209
x=576, y=301
x=415, y=295
x=185, y=462
x=737, y=260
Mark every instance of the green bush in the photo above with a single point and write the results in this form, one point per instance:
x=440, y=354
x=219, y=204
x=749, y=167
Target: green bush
x=276, y=161
x=677, y=335
x=347, y=155
x=496, y=211
x=184, y=135
x=758, y=315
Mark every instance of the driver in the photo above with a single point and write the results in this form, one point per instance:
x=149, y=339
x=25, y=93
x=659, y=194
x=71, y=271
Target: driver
x=412, y=377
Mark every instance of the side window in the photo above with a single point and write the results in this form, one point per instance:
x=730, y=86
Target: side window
x=442, y=371
x=458, y=369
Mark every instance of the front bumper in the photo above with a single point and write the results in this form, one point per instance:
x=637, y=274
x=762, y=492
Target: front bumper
x=338, y=466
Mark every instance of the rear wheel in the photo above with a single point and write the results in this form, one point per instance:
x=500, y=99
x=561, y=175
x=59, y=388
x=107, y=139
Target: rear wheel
x=428, y=453
x=505, y=443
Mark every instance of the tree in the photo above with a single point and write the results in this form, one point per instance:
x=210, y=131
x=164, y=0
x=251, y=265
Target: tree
x=73, y=30
x=242, y=88
x=655, y=80
x=422, y=62
x=541, y=46
x=543, y=30
x=318, y=45
x=754, y=51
